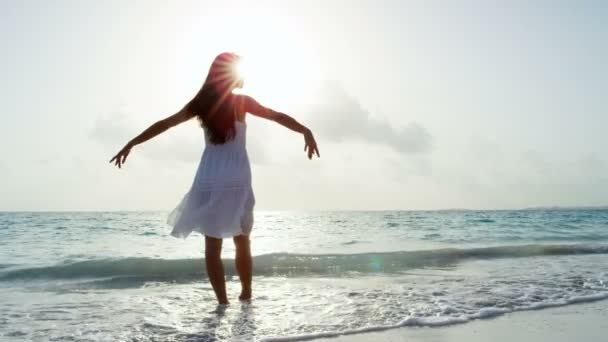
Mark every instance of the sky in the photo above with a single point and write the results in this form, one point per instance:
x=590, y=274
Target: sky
x=416, y=105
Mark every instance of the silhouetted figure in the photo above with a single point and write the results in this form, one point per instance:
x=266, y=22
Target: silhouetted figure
x=220, y=202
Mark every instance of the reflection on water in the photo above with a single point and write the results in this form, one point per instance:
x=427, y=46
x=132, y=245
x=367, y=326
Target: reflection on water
x=244, y=324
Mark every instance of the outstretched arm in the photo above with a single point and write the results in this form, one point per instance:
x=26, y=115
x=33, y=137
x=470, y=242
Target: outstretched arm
x=150, y=132
x=310, y=145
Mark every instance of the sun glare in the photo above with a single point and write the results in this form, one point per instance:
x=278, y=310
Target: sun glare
x=279, y=64
x=241, y=68
x=281, y=76
x=280, y=60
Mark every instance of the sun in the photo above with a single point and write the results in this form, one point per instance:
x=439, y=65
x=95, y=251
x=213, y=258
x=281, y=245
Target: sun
x=279, y=66
x=280, y=61
x=279, y=77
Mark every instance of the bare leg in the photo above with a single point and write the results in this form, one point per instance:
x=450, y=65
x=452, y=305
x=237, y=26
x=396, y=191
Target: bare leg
x=244, y=264
x=215, y=268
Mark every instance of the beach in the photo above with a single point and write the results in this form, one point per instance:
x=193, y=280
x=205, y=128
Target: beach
x=383, y=275
x=582, y=322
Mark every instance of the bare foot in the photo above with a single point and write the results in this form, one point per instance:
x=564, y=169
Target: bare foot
x=220, y=310
x=245, y=295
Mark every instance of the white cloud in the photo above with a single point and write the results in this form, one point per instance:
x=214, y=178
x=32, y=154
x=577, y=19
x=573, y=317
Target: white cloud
x=337, y=116
x=367, y=163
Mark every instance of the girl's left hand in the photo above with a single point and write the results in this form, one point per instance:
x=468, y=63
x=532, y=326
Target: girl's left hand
x=310, y=144
x=121, y=157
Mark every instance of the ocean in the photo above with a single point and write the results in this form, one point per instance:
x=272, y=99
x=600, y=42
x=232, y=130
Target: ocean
x=120, y=276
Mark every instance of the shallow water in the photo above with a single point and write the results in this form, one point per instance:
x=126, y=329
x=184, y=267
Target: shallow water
x=120, y=276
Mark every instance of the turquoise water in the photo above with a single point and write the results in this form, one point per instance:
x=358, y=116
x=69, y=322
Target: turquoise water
x=119, y=276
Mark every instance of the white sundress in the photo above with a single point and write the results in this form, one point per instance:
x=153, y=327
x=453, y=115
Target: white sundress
x=220, y=202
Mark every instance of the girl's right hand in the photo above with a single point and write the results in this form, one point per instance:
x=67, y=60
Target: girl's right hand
x=310, y=144
x=121, y=157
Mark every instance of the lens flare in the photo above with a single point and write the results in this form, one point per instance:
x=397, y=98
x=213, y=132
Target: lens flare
x=375, y=264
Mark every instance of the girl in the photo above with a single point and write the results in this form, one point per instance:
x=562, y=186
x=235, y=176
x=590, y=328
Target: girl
x=220, y=201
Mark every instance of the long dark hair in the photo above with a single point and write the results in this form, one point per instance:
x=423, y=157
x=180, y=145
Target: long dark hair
x=214, y=105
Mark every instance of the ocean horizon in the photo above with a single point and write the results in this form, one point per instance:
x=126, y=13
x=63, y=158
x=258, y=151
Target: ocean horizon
x=532, y=208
